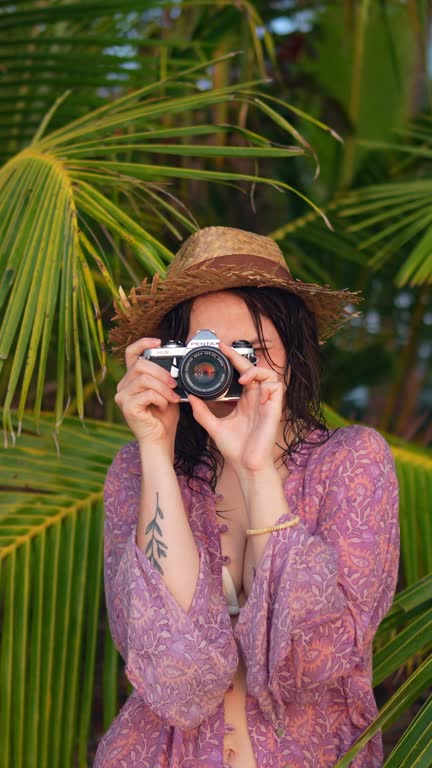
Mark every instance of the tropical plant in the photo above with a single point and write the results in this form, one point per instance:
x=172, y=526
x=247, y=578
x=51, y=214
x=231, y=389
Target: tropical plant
x=374, y=193
x=65, y=192
x=411, y=615
x=51, y=517
x=92, y=99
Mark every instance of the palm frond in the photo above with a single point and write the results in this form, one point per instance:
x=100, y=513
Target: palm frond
x=414, y=750
x=394, y=215
x=99, y=50
x=51, y=518
x=56, y=198
x=404, y=697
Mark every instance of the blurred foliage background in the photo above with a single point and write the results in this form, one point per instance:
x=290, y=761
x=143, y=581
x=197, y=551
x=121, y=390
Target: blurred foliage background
x=124, y=127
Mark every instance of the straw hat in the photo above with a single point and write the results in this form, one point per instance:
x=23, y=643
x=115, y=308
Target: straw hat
x=214, y=259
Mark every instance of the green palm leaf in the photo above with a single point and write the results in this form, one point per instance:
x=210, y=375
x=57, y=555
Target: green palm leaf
x=416, y=636
x=95, y=49
x=392, y=221
x=51, y=518
x=59, y=194
x=407, y=605
x=414, y=750
x=385, y=223
x=417, y=683
x=394, y=214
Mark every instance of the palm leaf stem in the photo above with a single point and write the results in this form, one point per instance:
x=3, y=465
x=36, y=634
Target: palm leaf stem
x=404, y=697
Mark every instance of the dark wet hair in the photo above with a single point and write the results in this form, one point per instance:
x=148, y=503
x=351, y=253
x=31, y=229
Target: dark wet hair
x=297, y=328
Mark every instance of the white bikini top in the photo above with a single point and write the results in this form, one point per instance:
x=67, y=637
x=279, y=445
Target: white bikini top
x=230, y=592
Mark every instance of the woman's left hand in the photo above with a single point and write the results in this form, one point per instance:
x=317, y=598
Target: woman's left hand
x=246, y=437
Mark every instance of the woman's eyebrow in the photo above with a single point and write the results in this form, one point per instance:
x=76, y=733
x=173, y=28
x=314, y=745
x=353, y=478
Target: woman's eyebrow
x=256, y=341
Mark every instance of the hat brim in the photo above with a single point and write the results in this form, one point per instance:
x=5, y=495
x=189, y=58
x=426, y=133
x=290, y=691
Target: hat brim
x=140, y=314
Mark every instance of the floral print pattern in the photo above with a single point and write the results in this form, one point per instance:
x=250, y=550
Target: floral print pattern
x=305, y=632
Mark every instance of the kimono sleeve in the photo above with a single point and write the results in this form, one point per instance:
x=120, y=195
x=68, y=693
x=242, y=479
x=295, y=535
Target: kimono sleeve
x=317, y=600
x=180, y=662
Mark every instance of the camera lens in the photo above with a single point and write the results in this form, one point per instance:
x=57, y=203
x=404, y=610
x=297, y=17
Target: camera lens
x=206, y=373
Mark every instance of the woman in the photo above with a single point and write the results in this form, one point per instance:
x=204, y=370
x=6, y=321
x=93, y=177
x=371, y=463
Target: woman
x=250, y=553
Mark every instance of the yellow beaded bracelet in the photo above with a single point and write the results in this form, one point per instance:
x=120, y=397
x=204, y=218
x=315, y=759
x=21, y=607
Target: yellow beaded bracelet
x=270, y=528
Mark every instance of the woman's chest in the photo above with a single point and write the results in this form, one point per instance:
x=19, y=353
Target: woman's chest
x=235, y=551
x=237, y=556
x=219, y=522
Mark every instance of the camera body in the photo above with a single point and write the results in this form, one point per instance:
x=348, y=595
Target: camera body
x=200, y=367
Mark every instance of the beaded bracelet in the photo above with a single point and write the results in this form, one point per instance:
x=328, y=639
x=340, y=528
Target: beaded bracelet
x=270, y=528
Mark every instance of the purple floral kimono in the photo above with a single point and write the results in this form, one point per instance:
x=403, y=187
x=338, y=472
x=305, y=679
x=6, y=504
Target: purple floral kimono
x=305, y=632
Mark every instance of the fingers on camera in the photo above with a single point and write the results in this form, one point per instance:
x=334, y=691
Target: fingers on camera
x=138, y=347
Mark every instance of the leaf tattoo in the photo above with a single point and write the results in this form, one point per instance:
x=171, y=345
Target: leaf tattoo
x=155, y=546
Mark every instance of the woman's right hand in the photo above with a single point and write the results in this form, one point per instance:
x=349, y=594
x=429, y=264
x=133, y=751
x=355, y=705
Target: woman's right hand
x=146, y=397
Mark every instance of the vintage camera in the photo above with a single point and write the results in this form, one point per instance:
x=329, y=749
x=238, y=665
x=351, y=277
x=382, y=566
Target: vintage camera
x=200, y=367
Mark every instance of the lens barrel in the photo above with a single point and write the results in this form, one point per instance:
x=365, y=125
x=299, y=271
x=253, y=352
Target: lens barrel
x=206, y=372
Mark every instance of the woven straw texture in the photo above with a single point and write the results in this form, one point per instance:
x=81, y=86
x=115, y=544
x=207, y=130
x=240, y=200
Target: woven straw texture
x=216, y=242
x=214, y=259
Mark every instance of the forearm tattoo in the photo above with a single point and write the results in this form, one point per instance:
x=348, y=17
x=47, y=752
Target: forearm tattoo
x=155, y=546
